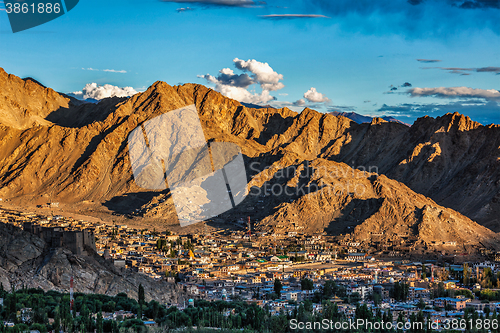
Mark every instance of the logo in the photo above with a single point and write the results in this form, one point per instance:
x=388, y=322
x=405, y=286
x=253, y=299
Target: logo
x=170, y=151
x=26, y=14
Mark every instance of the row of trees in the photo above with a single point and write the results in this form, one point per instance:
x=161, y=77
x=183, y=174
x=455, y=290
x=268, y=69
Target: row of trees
x=328, y=290
x=32, y=309
x=87, y=316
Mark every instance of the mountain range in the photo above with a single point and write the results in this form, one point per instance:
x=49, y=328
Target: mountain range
x=434, y=181
x=359, y=118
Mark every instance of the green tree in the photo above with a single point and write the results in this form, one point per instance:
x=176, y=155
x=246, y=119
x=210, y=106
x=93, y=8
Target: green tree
x=306, y=284
x=466, y=274
x=141, y=301
x=99, y=322
x=278, y=287
x=329, y=289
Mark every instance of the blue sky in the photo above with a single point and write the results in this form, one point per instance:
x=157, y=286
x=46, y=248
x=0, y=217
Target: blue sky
x=338, y=55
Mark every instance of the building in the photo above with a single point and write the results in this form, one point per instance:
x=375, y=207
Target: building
x=78, y=241
x=291, y=295
x=479, y=306
x=455, y=303
x=383, y=292
x=362, y=290
x=357, y=257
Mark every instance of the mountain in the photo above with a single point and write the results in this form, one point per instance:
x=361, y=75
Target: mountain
x=334, y=197
x=358, y=118
x=77, y=154
x=25, y=260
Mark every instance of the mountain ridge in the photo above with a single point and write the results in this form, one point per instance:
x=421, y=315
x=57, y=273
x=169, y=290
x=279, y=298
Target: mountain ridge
x=359, y=118
x=81, y=155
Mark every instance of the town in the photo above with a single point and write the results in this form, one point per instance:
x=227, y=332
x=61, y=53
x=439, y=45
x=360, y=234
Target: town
x=280, y=273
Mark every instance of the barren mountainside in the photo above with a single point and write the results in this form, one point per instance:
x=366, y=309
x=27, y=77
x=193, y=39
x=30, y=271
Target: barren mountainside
x=25, y=260
x=53, y=148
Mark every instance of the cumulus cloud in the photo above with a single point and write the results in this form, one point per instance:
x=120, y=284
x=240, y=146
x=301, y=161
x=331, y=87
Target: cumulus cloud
x=300, y=102
x=227, y=77
x=291, y=16
x=262, y=73
x=455, y=92
x=243, y=95
x=98, y=92
x=236, y=85
x=312, y=95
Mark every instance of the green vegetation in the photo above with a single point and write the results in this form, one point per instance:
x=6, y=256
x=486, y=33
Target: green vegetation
x=400, y=291
x=34, y=309
x=306, y=284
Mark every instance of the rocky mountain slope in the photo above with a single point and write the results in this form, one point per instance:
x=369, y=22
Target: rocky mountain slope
x=334, y=197
x=25, y=260
x=78, y=153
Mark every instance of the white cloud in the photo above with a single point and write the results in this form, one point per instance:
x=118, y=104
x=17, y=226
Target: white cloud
x=114, y=71
x=105, y=70
x=312, y=95
x=98, y=92
x=455, y=92
x=235, y=85
x=262, y=73
x=245, y=96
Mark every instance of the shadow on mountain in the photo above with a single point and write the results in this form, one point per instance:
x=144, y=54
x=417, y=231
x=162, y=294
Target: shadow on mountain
x=354, y=214
x=81, y=114
x=276, y=125
x=370, y=144
x=129, y=202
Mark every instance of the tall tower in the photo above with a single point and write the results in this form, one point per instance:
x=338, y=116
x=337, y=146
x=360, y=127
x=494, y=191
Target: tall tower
x=432, y=273
x=249, y=229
